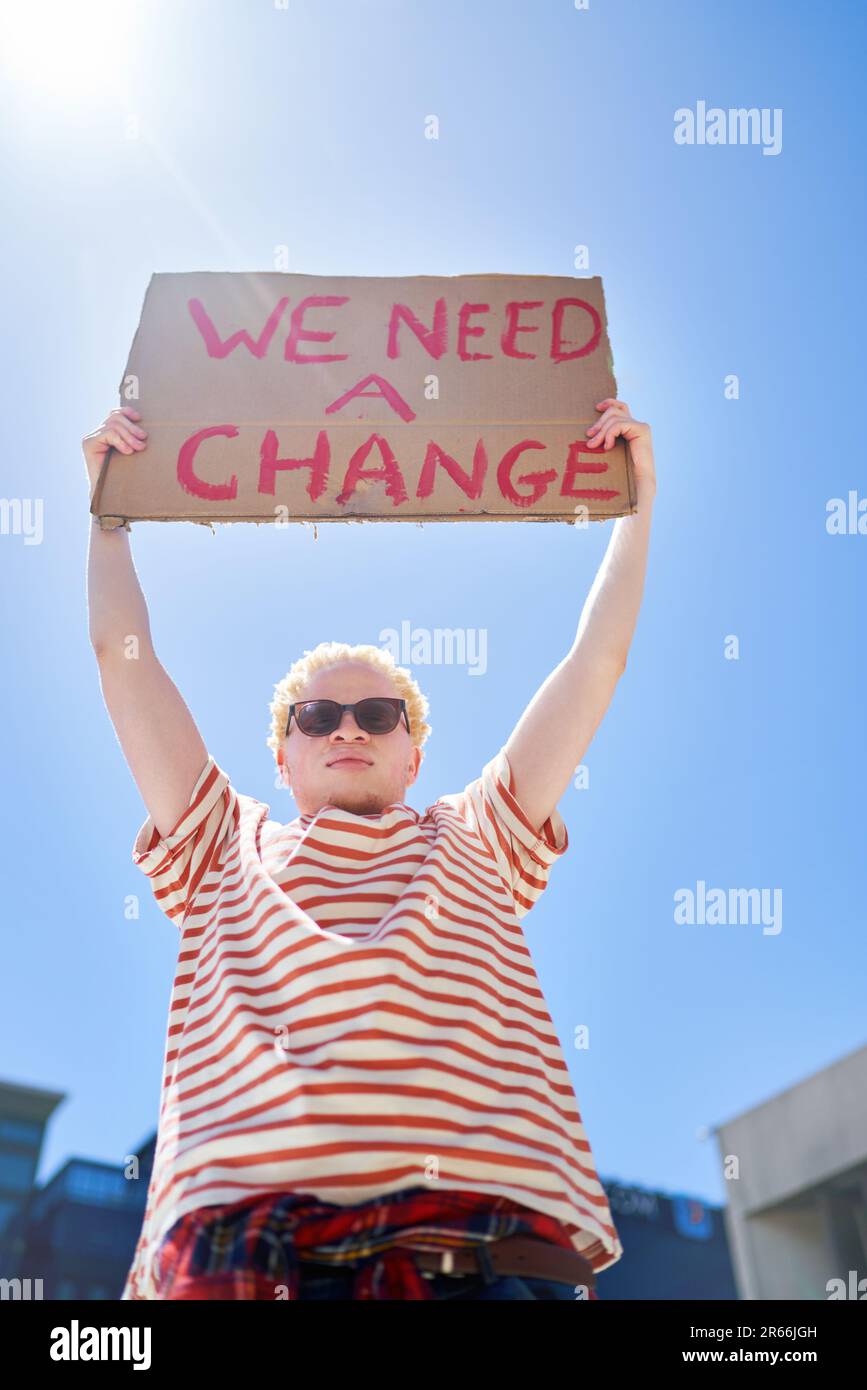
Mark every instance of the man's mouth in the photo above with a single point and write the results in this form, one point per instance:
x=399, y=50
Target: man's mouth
x=348, y=760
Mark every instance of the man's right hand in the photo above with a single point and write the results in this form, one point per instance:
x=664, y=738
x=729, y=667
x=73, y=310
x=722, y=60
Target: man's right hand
x=118, y=430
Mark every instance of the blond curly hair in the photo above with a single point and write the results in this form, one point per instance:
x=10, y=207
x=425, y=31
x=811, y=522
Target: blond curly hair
x=292, y=686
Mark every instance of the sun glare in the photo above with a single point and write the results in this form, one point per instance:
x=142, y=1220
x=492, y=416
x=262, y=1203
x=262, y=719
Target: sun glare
x=64, y=46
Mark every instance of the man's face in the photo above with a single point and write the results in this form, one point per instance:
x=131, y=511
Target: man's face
x=390, y=761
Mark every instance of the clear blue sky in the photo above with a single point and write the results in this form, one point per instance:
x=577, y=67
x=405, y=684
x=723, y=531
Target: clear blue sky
x=262, y=127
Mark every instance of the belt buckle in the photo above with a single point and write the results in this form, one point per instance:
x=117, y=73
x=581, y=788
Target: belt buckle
x=483, y=1261
x=446, y=1264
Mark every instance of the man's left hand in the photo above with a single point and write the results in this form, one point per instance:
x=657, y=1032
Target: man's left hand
x=615, y=420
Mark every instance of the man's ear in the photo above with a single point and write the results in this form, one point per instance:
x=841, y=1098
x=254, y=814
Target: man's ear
x=415, y=765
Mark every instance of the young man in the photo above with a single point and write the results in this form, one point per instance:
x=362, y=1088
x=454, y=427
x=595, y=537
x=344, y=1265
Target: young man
x=363, y=1092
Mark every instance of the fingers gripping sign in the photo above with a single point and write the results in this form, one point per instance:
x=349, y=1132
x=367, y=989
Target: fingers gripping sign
x=119, y=430
x=616, y=420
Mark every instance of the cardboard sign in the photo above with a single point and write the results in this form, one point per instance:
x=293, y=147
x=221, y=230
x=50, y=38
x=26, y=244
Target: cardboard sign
x=278, y=397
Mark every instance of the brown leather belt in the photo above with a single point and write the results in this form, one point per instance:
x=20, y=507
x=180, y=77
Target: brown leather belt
x=524, y=1256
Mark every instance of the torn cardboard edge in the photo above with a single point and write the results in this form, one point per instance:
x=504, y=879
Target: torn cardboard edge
x=112, y=523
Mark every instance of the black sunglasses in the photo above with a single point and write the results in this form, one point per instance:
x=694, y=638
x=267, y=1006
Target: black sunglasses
x=378, y=714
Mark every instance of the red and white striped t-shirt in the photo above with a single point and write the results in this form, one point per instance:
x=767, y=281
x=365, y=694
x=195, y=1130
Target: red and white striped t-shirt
x=355, y=1011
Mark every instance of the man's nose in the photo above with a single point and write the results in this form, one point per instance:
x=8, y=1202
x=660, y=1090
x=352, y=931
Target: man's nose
x=348, y=727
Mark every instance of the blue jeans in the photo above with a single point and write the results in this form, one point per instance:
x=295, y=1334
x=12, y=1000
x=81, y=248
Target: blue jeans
x=319, y=1282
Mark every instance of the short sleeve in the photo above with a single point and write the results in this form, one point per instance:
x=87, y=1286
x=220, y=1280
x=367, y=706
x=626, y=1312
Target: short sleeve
x=523, y=855
x=179, y=863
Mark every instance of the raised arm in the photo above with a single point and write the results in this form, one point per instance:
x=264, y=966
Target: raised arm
x=159, y=738
x=558, y=725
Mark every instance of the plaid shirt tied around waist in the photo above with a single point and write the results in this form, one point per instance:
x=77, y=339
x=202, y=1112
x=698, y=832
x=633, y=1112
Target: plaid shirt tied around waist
x=251, y=1249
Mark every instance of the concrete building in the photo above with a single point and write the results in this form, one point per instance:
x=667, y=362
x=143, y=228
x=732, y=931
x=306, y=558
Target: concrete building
x=796, y=1176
